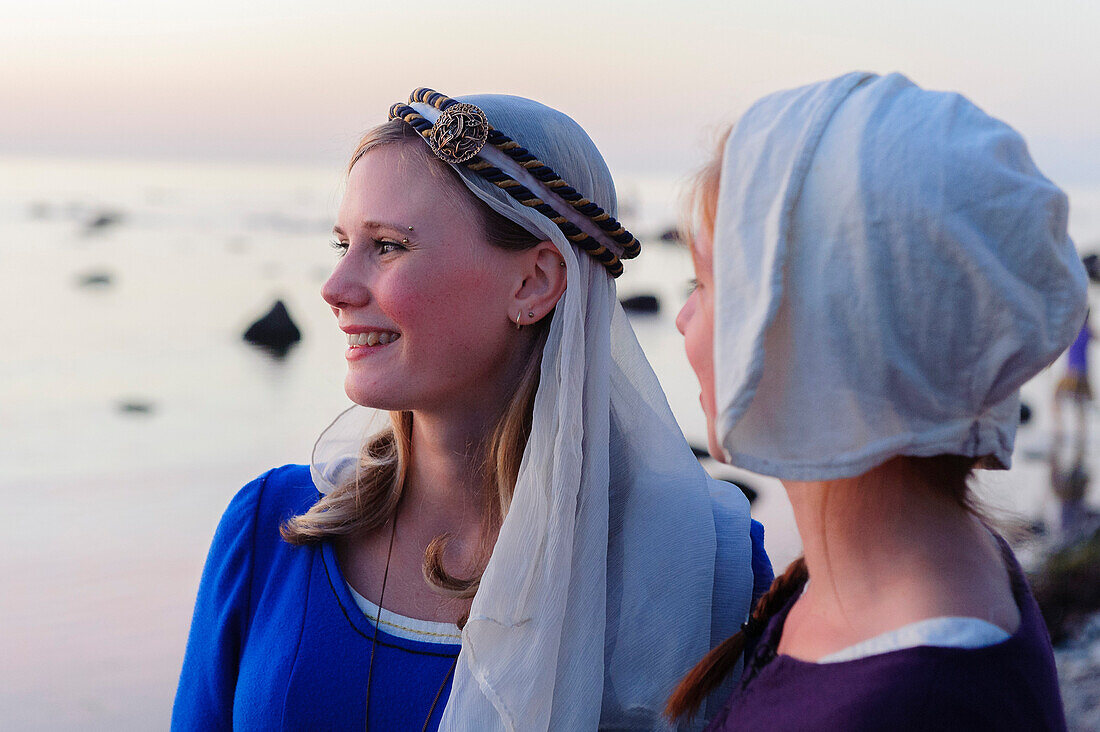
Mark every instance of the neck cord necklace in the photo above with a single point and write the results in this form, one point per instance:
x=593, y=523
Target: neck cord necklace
x=374, y=642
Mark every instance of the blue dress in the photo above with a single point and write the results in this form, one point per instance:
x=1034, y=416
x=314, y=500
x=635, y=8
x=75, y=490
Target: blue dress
x=278, y=642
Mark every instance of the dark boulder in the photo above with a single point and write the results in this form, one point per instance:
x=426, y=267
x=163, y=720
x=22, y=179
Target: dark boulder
x=647, y=304
x=1092, y=266
x=102, y=220
x=1067, y=585
x=135, y=407
x=275, y=332
x=95, y=279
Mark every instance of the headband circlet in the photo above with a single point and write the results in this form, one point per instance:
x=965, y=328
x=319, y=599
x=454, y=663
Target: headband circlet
x=462, y=135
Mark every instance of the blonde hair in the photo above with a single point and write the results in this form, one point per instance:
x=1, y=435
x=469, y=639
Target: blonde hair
x=700, y=203
x=369, y=500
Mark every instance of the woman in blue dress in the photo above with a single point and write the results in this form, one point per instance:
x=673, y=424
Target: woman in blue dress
x=529, y=543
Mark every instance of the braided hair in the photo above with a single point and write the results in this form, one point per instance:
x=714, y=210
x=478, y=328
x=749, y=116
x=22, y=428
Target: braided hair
x=709, y=673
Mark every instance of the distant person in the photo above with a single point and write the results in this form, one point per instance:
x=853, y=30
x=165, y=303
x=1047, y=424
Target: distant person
x=1074, y=387
x=1069, y=481
x=530, y=544
x=879, y=269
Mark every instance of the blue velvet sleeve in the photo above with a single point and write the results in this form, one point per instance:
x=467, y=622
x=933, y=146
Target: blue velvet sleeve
x=204, y=697
x=762, y=573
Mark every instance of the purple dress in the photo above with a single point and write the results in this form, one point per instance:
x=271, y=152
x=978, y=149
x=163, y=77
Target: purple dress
x=1012, y=685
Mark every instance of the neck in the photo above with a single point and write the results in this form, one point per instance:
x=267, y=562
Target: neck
x=446, y=464
x=446, y=482
x=887, y=548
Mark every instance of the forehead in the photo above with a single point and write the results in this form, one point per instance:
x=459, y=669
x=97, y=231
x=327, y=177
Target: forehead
x=397, y=182
x=701, y=246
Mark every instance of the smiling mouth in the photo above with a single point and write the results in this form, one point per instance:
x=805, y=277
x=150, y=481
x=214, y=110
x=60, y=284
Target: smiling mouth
x=371, y=339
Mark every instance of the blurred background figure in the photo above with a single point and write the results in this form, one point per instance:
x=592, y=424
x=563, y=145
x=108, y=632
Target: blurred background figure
x=1069, y=480
x=1074, y=387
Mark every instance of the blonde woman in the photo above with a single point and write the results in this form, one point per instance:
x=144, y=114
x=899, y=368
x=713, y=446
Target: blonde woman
x=530, y=544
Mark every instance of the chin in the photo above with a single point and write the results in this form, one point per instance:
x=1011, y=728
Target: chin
x=373, y=397
x=713, y=446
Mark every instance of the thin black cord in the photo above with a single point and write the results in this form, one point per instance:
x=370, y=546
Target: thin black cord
x=378, y=622
x=438, y=694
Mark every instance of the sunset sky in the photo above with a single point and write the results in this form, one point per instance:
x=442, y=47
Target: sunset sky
x=650, y=81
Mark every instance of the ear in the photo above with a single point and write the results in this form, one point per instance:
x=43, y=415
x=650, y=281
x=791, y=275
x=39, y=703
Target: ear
x=542, y=284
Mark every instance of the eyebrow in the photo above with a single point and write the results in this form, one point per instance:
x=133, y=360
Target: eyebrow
x=368, y=225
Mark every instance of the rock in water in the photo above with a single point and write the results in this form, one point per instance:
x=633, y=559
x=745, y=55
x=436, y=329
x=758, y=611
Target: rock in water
x=134, y=406
x=275, y=331
x=1067, y=585
x=1092, y=266
x=102, y=220
x=641, y=304
x=95, y=279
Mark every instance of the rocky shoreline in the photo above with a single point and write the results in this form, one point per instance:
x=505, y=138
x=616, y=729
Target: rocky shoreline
x=1078, y=661
x=1066, y=582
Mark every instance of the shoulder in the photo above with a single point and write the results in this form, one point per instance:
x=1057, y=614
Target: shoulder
x=930, y=687
x=265, y=502
x=736, y=532
x=283, y=492
x=730, y=509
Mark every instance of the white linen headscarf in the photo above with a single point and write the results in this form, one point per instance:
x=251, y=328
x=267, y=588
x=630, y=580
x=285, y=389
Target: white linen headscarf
x=890, y=268
x=598, y=595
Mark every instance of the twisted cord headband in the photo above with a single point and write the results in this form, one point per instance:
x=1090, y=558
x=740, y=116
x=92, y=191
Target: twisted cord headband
x=460, y=134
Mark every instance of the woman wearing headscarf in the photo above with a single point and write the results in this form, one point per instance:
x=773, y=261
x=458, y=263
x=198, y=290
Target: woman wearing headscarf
x=530, y=544
x=880, y=268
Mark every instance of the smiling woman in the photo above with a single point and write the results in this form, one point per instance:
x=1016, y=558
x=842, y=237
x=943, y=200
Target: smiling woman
x=530, y=544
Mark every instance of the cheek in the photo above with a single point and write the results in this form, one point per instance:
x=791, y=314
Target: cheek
x=449, y=309
x=699, y=343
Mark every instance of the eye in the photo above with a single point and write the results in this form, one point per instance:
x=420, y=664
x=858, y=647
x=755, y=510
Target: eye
x=340, y=246
x=385, y=246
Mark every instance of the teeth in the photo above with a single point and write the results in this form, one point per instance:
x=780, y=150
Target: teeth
x=373, y=338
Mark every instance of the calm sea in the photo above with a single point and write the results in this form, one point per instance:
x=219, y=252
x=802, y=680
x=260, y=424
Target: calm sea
x=131, y=411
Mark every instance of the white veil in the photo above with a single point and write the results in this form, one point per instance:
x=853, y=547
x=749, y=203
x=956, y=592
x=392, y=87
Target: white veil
x=598, y=595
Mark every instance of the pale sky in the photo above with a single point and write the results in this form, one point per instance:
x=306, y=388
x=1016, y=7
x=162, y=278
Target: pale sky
x=650, y=81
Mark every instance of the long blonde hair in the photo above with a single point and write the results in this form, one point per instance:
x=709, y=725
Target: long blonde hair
x=369, y=500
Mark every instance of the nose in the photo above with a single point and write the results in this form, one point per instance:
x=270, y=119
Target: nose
x=684, y=315
x=345, y=287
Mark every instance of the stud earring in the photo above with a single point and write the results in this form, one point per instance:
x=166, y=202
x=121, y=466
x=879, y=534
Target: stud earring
x=561, y=264
x=410, y=228
x=405, y=240
x=530, y=314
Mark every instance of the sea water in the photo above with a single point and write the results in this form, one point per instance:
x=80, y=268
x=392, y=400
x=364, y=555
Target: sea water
x=131, y=410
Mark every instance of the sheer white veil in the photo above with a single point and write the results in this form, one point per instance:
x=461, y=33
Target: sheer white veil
x=598, y=595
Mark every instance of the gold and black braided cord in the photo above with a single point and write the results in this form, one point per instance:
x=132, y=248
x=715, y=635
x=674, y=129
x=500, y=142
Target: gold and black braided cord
x=545, y=174
x=524, y=195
